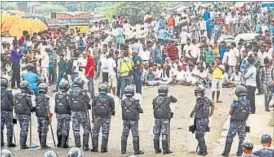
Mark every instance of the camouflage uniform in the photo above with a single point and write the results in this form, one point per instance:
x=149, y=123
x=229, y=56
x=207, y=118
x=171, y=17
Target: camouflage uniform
x=23, y=110
x=238, y=119
x=202, y=119
x=162, y=115
x=79, y=108
x=42, y=109
x=63, y=116
x=102, y=108
x=130, y=114
x=264, y=152
x=249, y=155
x=6, y=115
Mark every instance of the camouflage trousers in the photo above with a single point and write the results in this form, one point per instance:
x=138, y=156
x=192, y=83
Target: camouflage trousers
x=7, y=119
x=78, y=119
x=24, y=121
x=201, y=126
x=63, y=124
x=236, y=127
x=130, y=125
x=98, y=123
x=161, y=126
x=43, y=125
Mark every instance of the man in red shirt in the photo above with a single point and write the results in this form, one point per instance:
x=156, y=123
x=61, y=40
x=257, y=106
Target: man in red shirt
x=90, y=72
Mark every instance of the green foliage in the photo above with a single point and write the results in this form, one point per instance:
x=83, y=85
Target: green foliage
x=8, y=5
x=134, y=12
x=46, y=9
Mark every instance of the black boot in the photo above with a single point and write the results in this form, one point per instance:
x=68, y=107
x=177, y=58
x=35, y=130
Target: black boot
x=104, y=146
x=157, y=146
x=77, y=140
x=202, y=147
x=94, y=144
x=23, y=142
x=2, y=139
x=240, y=149
x=227, y=149
x=123, y=145
x=85, y=142
x=10, y=144
x=136, y=146
x=165, y=147
x=44, y=142
x=59, y=139
x=64, y=143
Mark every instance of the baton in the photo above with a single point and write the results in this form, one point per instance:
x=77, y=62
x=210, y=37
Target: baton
x=88, y=117
x=197, y=147
x=52, y=135
x=30, y=131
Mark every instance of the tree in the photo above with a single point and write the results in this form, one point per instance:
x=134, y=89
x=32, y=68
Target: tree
x=8, y=5
x=134, y=12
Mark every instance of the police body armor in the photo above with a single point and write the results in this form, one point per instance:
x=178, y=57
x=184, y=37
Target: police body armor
x=6, y=104
x=203, y=110
x=61, y=103
x=78, y=102
x=161, y=108
x=129, y=110
x=22, y=107
x=42, y=102
x=241, y=113
x=102, y=107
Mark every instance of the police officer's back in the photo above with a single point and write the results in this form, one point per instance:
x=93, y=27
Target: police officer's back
x=7, y=103
x=63, y=114
x=239, y=112
x=266, y=151
x=130, y=114
x=23, y=109
x=103, y=106
x=162, y=115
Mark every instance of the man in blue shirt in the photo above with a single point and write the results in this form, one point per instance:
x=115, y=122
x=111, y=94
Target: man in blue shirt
x=32, y=78
x=206, y=15
x=156, y=54
x=62, y=70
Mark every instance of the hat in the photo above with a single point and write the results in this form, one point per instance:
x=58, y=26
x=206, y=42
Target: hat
x=247, y=144
x=266, y=138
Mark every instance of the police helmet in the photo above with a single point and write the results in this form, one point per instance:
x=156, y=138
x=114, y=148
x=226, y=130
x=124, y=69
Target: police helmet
x=163, y=90
x=129, y=91
x=24, y=85
x=78, y=82
x=6, y=153
x=64, y=85
x=199, y=88
x=43, y=87
x=51, y=153
x=4, y=82
x=103, y=88
x=240, y=90
x=266, y=138
x=247, y=144
x=30, y=67
x=75, y=152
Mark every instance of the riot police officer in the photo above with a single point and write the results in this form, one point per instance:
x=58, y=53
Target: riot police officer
x=103, y=107
x=75, y=152
x=130, y=114
x=7, y=103
x=50, y=153
x=63, y=113
x=239, y=112
x=247, y=149
x=23, y=109
x=79, y=113
x=202, y=112
x=32, y=78
x=43, y=114
x=162, y=115
x=6, y=153
x=266, y=151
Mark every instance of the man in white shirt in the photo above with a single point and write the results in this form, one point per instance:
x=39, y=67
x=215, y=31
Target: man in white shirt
x=188, y=50
x=104, y=66
x=145, y=54
x=111, y=63
x=183, y=37
x=45, y=64
x=202, y=25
